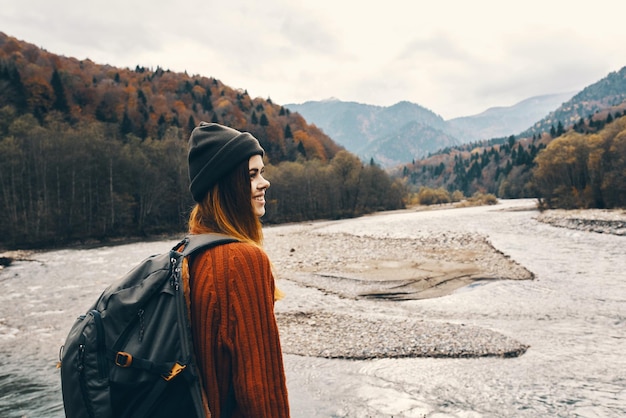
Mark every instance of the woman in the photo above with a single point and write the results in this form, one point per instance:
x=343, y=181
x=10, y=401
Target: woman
x=232, y=287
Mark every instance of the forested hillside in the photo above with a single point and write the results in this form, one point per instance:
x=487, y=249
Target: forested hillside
x=606, y=93
x=582, y=165
x=583, y=169
x=93, y=152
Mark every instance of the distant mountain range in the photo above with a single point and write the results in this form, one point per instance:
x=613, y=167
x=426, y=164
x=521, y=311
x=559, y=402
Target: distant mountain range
x=407, y=132
x=504, y=121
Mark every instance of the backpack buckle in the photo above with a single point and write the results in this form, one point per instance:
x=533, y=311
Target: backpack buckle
x=176, y=369
x=123, y=359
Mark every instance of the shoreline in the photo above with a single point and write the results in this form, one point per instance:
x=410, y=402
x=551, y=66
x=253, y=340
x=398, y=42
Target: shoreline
x=603, y=221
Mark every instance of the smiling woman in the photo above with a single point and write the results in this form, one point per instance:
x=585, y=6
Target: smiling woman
x=232, y=289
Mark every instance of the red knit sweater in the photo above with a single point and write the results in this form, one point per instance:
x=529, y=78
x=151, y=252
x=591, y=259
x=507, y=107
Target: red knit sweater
x=235, y=333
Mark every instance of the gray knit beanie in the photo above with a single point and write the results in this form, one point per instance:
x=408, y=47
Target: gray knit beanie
x=215, y=150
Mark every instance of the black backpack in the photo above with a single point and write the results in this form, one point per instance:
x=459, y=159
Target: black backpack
x=131, y=354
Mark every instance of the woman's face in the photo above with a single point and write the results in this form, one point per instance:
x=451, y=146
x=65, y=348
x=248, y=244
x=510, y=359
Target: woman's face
x=258, y=184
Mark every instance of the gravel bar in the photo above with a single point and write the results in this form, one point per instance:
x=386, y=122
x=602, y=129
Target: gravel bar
x=333, y=335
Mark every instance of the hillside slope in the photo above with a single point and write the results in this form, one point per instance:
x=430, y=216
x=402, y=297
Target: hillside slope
x=146, y=103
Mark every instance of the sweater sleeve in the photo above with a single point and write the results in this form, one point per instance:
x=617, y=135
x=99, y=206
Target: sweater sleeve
x=244, y=296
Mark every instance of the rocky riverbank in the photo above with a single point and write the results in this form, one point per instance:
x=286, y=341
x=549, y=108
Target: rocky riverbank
x=360, y=270
x=358, y=337
x=603, y=221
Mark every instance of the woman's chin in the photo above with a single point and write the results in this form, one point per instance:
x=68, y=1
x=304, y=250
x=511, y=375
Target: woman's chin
x=259, y=210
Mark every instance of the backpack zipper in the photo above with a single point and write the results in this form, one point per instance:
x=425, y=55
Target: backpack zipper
x=81, y=377
x=141, y=324
x=185, y=343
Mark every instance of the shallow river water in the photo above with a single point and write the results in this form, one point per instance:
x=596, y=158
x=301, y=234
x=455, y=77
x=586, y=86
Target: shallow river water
x=573, y=317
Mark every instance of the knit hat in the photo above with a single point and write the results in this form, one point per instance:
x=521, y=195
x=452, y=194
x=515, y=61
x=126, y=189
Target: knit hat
x=214, y=151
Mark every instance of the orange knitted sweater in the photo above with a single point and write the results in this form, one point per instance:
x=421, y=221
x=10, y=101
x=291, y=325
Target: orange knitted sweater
x=235, y=333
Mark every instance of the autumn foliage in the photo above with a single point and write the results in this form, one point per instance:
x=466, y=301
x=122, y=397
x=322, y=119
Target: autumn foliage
x=576, y=166
x=90, y=152
x=146, y=103
x=584, y=170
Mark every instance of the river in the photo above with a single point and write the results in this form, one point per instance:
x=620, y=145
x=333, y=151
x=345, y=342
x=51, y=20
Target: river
x=573, y=317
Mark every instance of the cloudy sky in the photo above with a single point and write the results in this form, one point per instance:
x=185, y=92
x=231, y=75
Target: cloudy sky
x=454, y=57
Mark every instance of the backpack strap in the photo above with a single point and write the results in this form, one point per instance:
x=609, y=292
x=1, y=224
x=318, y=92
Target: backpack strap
x=195, y=242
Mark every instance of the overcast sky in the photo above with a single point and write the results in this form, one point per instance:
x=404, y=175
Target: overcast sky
x=454, y=57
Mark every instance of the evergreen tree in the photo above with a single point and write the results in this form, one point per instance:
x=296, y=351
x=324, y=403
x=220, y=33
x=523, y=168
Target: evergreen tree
x=207, y=105
x=511, y=141
x=191, y=123
x=301, y=149
x=142, y=97
x=560, y=130
x=126, y=126
x=288, y=133
x=12, y=92
x=60, y=100
x=105, y=112
x=161, y=126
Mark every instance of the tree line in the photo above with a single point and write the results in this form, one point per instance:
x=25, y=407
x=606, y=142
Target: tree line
x=345, y=187
x=64, y=183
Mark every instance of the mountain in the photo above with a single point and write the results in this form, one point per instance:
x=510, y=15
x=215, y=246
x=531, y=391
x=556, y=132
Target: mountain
x=356, y=125
x=504, y=121
x=604, y=94
x=407, y=131
x=413, y=140
x=591, y=141
x=382, y=133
